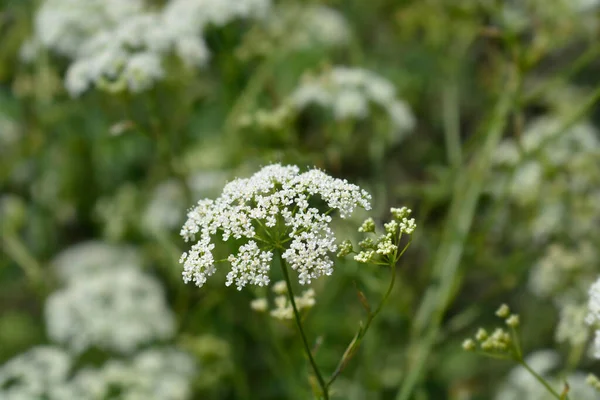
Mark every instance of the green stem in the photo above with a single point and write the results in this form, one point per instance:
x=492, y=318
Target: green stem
x=356, y=341
x=541, y=380
x=298, y=319
x=451, y=116
x=23, y=258
x=583, y=60
x=446, y=262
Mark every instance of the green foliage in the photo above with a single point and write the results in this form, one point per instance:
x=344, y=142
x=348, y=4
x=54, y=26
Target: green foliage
x=498, y=159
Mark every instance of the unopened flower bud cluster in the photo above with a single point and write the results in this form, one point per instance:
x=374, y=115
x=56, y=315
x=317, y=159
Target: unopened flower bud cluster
x=283, y=309
x=384, y=247
x=500, y=340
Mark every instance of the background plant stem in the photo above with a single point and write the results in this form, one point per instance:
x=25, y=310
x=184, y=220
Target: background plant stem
x=446, y=261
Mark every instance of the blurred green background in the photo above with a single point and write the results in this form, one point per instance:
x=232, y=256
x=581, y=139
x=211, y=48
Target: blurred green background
x=489, y=134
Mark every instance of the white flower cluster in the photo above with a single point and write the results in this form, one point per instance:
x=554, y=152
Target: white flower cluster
x=553, y=175
x=593, y=317
x=120, y=44
x=163, y=211
x=88, y=258
x=116, y=310
x=283, y=306
x=572, y=327
x=112, y=305
x=40, y=373
x=349, y=93
x=272, y=208
x=563, y=273
x=156, y=374
x=520, y=15
x=520, y=384
x=45, y=373
x=63, y=26
x=294, y=27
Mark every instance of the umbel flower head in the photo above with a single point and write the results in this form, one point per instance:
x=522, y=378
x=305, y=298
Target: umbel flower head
x=274, y=210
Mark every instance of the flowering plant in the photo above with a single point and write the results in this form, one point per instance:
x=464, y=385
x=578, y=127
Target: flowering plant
x=276, y=212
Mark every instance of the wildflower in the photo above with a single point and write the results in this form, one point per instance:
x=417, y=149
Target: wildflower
x=572, y=327
x=280, y=287
x=349, y=93
x=469, y=345
x=270, y=211
x=36, y=374
x=503, y=311
x=85, y=259
x=155, y=374
x=513, y=321
x=593, y=381
x=260, y=304
x=593, y=317
x=283, y=307
x=116, y=309
x=521, y=384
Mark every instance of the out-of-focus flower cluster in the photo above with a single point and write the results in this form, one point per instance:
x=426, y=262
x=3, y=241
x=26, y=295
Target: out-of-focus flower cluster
x=291, y=27
x=283, y=309
x=520, y=384
x=108, y=303
x=552, y=175
x=272, y=211
x=47, y=372
x=121, y=45
x=347, y=94
x=593, y=317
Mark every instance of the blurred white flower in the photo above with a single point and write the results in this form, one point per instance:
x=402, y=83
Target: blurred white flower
x=142, y=70
x=116, y=309
x=207, y=183
x=593, y=317
x=572, y=327
x=520, y=384
x=163, y=212
x=283, y=306
x=85, y=259
x=156, y=374
x=120, y=44
x=294, y=27
x=37, y=374
x=251, y=208
x=193, y=16
x=64, y=26
x=562, y=273
x=349, y=93
x=552, y=175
